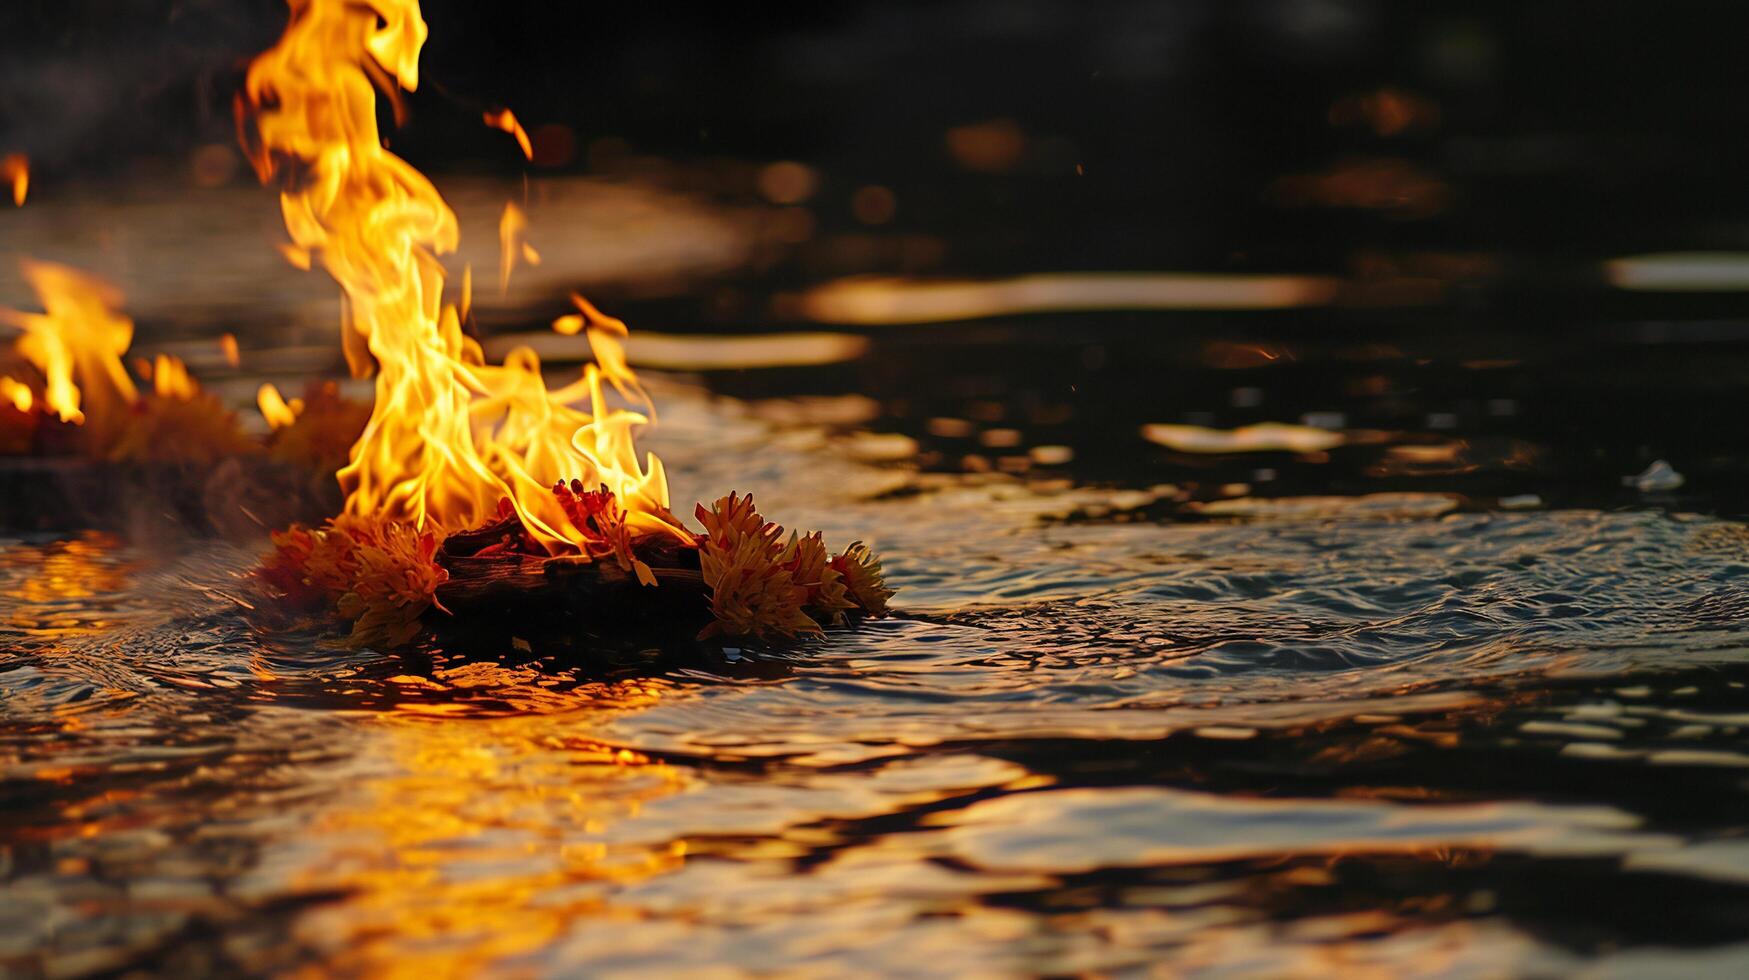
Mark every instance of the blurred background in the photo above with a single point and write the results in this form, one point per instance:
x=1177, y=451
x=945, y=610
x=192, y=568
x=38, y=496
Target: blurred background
x=1019, y=134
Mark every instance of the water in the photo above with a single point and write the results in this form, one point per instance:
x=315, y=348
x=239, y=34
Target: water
x=1455, y=695
x=1395, y=728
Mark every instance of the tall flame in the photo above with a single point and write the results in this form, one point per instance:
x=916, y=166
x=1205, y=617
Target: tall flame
x=449, y=435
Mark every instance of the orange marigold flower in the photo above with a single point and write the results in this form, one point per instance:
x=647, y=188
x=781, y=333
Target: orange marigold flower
x=395, y=580
x=734, y=517
x=751, y=594
x=381, y=575
x=806, y=559
x=285, y=570
x=863, y=579
x=753, y=590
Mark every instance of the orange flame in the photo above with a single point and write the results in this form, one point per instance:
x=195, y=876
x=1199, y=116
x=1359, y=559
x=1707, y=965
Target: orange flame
x=506, y=120
x=228, y=347
x=16, y=392
x=275, y=409
x=449, y=435
x=513, y=244
x=77, y=343
x=170, y=379
x=15, y=170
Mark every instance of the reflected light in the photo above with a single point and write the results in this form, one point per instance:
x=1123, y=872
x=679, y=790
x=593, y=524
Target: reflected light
x=874, y=204
x=787, y=182
x=1395, y=187
x=988, y=147
x=1387, y=112
x=700, y=352
x=1264, y=437
x=38, y=583
x=1679, y=272
x=895, y=301
x=539, y=803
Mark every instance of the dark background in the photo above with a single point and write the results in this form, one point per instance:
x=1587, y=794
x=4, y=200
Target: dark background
x=1166, y=134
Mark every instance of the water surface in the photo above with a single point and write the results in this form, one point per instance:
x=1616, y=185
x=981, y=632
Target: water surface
x=1398, y=731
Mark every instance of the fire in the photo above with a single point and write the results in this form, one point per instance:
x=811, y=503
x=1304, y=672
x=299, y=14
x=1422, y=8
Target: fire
x=170, y=379
x=17, y=393
x=449, y=435
x=275, y=409
x=77, y=342
x=506, y=120
x=15, y=170
x=513, y=244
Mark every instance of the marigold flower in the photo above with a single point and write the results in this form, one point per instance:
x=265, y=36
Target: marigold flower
x=807, y=561
x=753, y=591
x=863, y=579
x=381, y=575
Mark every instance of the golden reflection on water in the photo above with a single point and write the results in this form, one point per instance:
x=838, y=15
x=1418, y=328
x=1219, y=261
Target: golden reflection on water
x=42, y=584
x=467, y=840
x=881, y=301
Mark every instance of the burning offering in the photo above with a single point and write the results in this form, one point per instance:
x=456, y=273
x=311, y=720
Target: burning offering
x=475, y=489
x=72, y=394
x=82, y=442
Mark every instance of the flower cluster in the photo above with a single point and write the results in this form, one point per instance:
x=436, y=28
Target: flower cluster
x=196, y=428
x=598, y=515
x=766, y=588
x=380, y=575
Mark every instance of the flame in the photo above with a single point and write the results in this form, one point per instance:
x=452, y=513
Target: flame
x=513, y=243
x=299, y=258
x=77, y=343
x=170, y=379
x=449, y=435
x=16, y=392
x=228, y=347
x=275, y=409
x=15, y=170
x=506, y=120
x=607, y=342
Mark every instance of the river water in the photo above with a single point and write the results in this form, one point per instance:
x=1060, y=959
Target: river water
x=1471, y=707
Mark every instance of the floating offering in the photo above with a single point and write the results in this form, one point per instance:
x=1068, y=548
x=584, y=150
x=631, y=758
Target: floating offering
x=740, y=579
x=475, y=491
x=81, y=443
